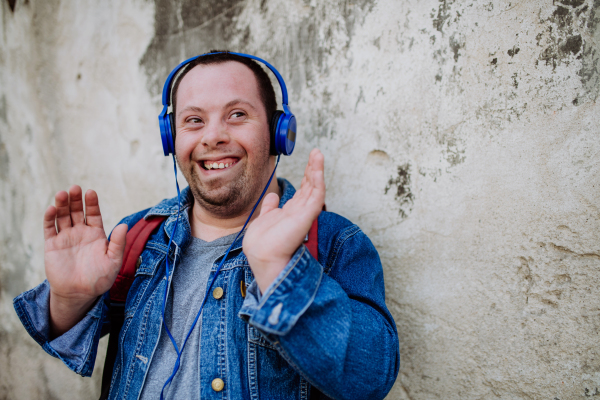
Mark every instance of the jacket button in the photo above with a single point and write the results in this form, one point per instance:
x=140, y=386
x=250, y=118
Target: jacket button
x=138, y=262
x=217, y=384
x=243, y=288
x=218, y=293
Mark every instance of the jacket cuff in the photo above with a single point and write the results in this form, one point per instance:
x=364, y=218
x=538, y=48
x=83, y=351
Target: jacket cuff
x=287, y=298
x=78, y=346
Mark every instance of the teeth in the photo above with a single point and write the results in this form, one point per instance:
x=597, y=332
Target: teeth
x=211, y=165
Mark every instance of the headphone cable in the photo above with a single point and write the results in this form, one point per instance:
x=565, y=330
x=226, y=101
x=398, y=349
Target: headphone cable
x=179, y=352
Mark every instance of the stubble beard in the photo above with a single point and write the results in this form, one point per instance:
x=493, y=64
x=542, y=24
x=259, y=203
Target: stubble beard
x=233, y=198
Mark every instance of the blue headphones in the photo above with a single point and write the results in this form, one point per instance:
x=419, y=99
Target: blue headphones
x=282, y=127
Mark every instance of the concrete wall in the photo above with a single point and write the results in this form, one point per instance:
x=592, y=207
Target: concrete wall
x=461, y=136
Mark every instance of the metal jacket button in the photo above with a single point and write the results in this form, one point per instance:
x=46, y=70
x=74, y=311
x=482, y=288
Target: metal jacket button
x=217, y=384
x=218, y=293
x=243, y=288
x=138, y=262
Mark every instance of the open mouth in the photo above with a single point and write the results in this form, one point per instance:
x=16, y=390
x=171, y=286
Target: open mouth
x=219, y=164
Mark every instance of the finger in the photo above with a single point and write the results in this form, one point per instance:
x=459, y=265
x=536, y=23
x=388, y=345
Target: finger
x=318, y=174
x=317, y=195
x=63, y=213
x=314, y=196
x=304, y=181
x=313, y=177
x=76, y=205
x=318, y=168
x=116, y=246
x=92, y=210
x=50, y=222
x=305, y=185
x=316, y=161
x=270, y=202
x=307, y=170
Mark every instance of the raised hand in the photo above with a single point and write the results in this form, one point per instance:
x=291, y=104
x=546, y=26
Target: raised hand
x=276, y=234
x=80, y=262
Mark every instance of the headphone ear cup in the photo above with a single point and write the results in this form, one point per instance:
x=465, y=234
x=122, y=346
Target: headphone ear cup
x=273, y=131
x=285, y=137
x=165, y=123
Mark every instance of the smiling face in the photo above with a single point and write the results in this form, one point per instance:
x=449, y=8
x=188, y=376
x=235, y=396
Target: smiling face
x=222, y=140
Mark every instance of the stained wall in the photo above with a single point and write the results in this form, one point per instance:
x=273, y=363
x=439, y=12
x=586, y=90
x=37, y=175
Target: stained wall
x=462, y=136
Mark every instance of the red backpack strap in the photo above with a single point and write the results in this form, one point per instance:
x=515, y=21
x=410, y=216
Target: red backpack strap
x=136, y=240
x=312, y=244
x=312, y=239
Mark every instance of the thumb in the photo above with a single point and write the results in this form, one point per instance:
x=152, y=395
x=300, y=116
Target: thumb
x=270, y=202
x=116, y=246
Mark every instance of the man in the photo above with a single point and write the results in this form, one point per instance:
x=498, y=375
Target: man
x=302, y=329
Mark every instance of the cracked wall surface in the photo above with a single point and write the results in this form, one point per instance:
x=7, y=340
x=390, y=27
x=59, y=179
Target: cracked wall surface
x=462, y=136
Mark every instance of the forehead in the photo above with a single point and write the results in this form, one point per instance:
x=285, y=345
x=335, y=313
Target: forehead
x=218, y=83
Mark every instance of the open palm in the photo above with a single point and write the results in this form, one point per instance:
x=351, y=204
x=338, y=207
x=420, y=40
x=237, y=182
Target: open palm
x=80, y=262
x=276, y=234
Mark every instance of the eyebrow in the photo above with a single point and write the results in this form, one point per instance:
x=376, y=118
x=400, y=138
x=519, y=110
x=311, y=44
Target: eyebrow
x=238, y=101
x=190, y=108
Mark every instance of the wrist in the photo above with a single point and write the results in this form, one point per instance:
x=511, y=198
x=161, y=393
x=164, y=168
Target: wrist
x=265, y=272
x=66, y=312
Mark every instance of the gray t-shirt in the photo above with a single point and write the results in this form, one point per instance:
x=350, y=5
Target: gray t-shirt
x=185, y=297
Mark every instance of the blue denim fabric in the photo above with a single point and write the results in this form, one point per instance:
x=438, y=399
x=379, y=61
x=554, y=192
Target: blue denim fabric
x=321, y=330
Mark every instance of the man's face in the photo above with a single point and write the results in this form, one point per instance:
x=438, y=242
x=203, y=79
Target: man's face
x=222, y=141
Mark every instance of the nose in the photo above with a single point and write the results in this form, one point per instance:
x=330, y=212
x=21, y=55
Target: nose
x=215, y=134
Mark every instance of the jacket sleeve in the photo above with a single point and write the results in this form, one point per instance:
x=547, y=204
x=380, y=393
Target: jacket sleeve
x=78, y=346
x=333, y=328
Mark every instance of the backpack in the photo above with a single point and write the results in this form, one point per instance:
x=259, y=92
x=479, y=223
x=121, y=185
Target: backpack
x=136, y=240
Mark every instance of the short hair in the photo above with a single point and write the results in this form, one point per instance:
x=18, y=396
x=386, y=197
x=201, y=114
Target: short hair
x=265, y=88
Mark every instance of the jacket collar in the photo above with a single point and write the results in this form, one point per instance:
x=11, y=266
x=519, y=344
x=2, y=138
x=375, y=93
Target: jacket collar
x=169, y=207
x=287, y=191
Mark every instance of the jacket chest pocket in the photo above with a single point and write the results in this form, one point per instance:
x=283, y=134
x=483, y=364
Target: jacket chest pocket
x=266, y=366
x=146, y=267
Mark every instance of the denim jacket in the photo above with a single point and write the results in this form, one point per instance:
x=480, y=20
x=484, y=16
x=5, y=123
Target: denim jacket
x=321, y=329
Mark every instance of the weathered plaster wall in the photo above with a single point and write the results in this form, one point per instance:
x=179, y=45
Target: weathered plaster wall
x=462, y=136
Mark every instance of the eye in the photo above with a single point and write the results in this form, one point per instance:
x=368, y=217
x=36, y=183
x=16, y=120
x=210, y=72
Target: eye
x=238, y=114
x=193, y=120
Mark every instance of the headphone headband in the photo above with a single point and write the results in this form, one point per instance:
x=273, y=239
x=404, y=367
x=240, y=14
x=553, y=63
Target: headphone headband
x=167, y=87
